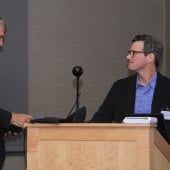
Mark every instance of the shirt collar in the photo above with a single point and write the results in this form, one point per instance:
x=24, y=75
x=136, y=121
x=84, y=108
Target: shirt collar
x=152, y=81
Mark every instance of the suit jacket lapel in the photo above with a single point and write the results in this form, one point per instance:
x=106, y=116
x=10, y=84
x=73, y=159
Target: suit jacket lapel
x=130, y=93
x=158, y=93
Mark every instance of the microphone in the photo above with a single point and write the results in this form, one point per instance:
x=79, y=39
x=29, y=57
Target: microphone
x=77, y=71
x=80, y=113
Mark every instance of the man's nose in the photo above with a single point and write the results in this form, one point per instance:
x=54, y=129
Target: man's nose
x=128, y=56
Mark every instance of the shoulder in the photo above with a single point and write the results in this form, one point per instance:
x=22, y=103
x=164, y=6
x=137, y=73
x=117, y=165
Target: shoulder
x=163, y=82
x=127, y=80
x=123, y=84
x=162, y=78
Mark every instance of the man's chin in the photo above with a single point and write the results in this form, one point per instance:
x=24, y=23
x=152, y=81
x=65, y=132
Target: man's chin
x=131, y=68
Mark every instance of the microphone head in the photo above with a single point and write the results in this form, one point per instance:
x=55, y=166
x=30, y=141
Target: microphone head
x=77, y=71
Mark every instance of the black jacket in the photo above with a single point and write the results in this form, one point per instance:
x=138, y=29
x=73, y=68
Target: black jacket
x=5, y=118
x=121, y=99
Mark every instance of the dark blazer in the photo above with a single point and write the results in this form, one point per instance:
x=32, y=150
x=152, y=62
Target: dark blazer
x=5, y=118
x=121, y=99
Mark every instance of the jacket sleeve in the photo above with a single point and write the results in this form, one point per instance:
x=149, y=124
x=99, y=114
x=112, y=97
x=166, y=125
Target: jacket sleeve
x=105, y=112
x=5, y=118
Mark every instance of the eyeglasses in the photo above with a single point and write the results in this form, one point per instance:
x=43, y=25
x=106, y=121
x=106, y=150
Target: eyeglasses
x=133, y=52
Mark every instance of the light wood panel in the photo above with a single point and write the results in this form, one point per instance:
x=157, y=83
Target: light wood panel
x=93, y=146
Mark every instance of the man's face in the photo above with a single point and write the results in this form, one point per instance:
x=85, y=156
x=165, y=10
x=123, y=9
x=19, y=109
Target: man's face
x=136, y=59
x=2, y=36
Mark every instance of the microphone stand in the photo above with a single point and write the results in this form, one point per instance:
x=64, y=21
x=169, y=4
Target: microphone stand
x=77, y=95
x=77, y=71
x=79, y=114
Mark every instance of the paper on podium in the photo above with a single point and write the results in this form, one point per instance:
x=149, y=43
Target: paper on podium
x=140, y=120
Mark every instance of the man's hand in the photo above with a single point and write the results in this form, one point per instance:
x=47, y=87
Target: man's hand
x=10, y=134
x=18, y=119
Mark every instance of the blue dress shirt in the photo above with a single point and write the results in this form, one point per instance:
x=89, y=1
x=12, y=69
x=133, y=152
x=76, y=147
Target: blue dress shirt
x=144, y=95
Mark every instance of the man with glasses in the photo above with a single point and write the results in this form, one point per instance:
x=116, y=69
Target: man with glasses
x=147, y=91
x=8, y=118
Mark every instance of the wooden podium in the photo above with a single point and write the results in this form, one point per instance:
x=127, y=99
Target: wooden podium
x=96, y=146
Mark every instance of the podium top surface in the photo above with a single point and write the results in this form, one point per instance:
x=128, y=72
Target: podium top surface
x=114, y=125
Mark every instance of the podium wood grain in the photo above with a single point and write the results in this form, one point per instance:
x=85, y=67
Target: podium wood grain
x=100, y=146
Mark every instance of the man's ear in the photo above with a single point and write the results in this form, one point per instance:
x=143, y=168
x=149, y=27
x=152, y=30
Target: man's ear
x=151, y=57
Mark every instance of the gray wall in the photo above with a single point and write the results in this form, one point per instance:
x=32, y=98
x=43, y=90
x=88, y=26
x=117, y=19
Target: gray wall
x=95, y=34
x=14, y=58
x=167, y=37
x=14, y=71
